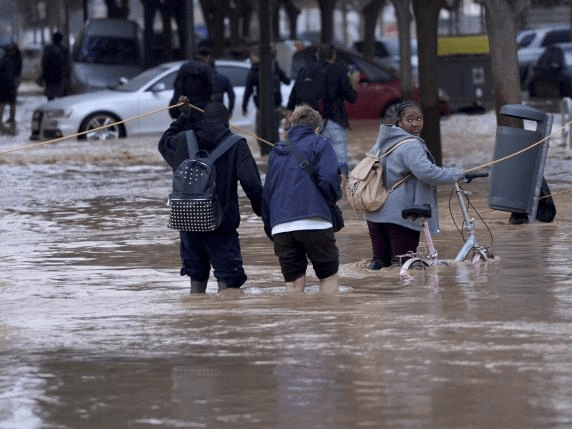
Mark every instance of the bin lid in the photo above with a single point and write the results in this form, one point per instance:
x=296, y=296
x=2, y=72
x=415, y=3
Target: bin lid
x=524, y=112
x=529, y=113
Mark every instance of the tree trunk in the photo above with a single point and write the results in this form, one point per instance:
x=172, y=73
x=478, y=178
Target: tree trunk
x=214, y=12
x=246, y=14
x=403, y=12
x=426, y=19
x=150, y=8
x=167, y=34
x=292, y=12
x=370, y=13
x=327, y=20
x=501, y=29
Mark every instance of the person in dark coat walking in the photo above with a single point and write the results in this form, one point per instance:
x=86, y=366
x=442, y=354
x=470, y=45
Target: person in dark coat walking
x=221, y=247
x=10, y=76
x=194, y=80
x=222, y=86
x=252, y=88
x=55, y=67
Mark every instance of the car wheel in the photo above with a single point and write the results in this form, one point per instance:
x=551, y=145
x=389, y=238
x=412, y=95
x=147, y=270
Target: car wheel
x=97, y=120
x=390, y=112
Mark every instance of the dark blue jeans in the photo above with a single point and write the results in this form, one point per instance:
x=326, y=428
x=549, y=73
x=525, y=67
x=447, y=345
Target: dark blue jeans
x=219, y=249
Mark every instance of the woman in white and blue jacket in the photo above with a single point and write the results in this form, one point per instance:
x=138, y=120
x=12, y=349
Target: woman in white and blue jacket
x=390, y=234
x=295, y=208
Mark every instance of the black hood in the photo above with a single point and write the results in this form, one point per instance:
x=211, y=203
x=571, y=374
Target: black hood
x=213, y=127
x=209, y=134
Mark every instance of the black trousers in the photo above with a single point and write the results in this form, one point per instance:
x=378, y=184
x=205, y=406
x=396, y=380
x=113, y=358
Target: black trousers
x=389, y=240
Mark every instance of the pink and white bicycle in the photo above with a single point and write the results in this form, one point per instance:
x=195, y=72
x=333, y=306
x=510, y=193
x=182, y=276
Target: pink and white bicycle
x=471, y=248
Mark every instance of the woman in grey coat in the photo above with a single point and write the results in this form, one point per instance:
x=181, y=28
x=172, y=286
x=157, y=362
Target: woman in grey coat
x=390, y=234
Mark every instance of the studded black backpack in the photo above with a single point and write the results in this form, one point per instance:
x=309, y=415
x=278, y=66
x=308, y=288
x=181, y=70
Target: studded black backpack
x=194, y=203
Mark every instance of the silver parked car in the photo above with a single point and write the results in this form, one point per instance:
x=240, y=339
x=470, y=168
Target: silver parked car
x=145, y=94
x=105, y=51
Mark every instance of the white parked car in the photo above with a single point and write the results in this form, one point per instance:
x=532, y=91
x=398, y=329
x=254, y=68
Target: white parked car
x=532, y=42
x=149, y=91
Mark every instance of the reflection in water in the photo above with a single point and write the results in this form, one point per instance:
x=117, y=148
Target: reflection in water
x=97, y=329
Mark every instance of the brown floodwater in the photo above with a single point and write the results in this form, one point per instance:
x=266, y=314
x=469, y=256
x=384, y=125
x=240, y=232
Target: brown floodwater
x=98, y=330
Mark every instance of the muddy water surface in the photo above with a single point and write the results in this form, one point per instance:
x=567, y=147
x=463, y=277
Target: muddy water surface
x=97, y=328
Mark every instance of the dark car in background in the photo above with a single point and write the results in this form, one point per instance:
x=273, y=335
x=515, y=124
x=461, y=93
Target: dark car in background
x=378, y=88
x=551, y=76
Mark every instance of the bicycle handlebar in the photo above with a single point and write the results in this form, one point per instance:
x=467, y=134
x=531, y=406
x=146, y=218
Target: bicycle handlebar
x=470, y=176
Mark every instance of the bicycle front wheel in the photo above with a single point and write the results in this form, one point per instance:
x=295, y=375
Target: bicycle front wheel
x=414, y=264
x=480, y=255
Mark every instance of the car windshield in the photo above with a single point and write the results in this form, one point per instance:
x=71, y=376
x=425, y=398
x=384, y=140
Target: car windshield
x=107, y=50
x=524, y=39
x=142, y=79
x=371, y=72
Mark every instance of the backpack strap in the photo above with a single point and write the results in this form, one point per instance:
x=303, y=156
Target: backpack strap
x=395, y=146
x=225, y=145
x=387, y=153
x=192, y=146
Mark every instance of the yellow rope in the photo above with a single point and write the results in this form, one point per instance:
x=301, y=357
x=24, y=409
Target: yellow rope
x=133, y=118
x=94, y=130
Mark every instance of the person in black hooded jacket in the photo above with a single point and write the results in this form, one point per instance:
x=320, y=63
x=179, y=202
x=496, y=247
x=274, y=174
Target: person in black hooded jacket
x=221, y=247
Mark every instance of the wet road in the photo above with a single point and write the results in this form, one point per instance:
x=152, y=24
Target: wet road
x=97, y=329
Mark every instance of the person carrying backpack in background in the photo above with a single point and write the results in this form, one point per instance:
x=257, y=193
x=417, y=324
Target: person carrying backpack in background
x=194, y=80
x=221, y=247
x=325, y=86
x=55, y=67
x=252, y=88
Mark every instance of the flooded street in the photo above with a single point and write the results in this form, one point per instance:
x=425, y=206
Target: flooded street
x=98, y=330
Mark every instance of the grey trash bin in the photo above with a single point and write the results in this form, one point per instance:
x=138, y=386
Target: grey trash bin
x=515, y=182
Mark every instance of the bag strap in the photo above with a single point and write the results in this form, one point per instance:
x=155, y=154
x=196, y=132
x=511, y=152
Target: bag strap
x=387, y=153
x=304, y=163
x=192, y=146
x=400, y=182
x=225, y=145
x=395, y=146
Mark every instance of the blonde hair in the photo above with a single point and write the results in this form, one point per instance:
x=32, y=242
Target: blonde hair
x=303, y=114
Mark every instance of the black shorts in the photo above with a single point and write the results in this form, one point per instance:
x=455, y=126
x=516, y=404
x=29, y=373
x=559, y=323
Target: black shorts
x=296, y=247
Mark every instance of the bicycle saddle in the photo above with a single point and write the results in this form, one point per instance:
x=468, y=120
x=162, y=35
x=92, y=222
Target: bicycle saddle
x=414, y=212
